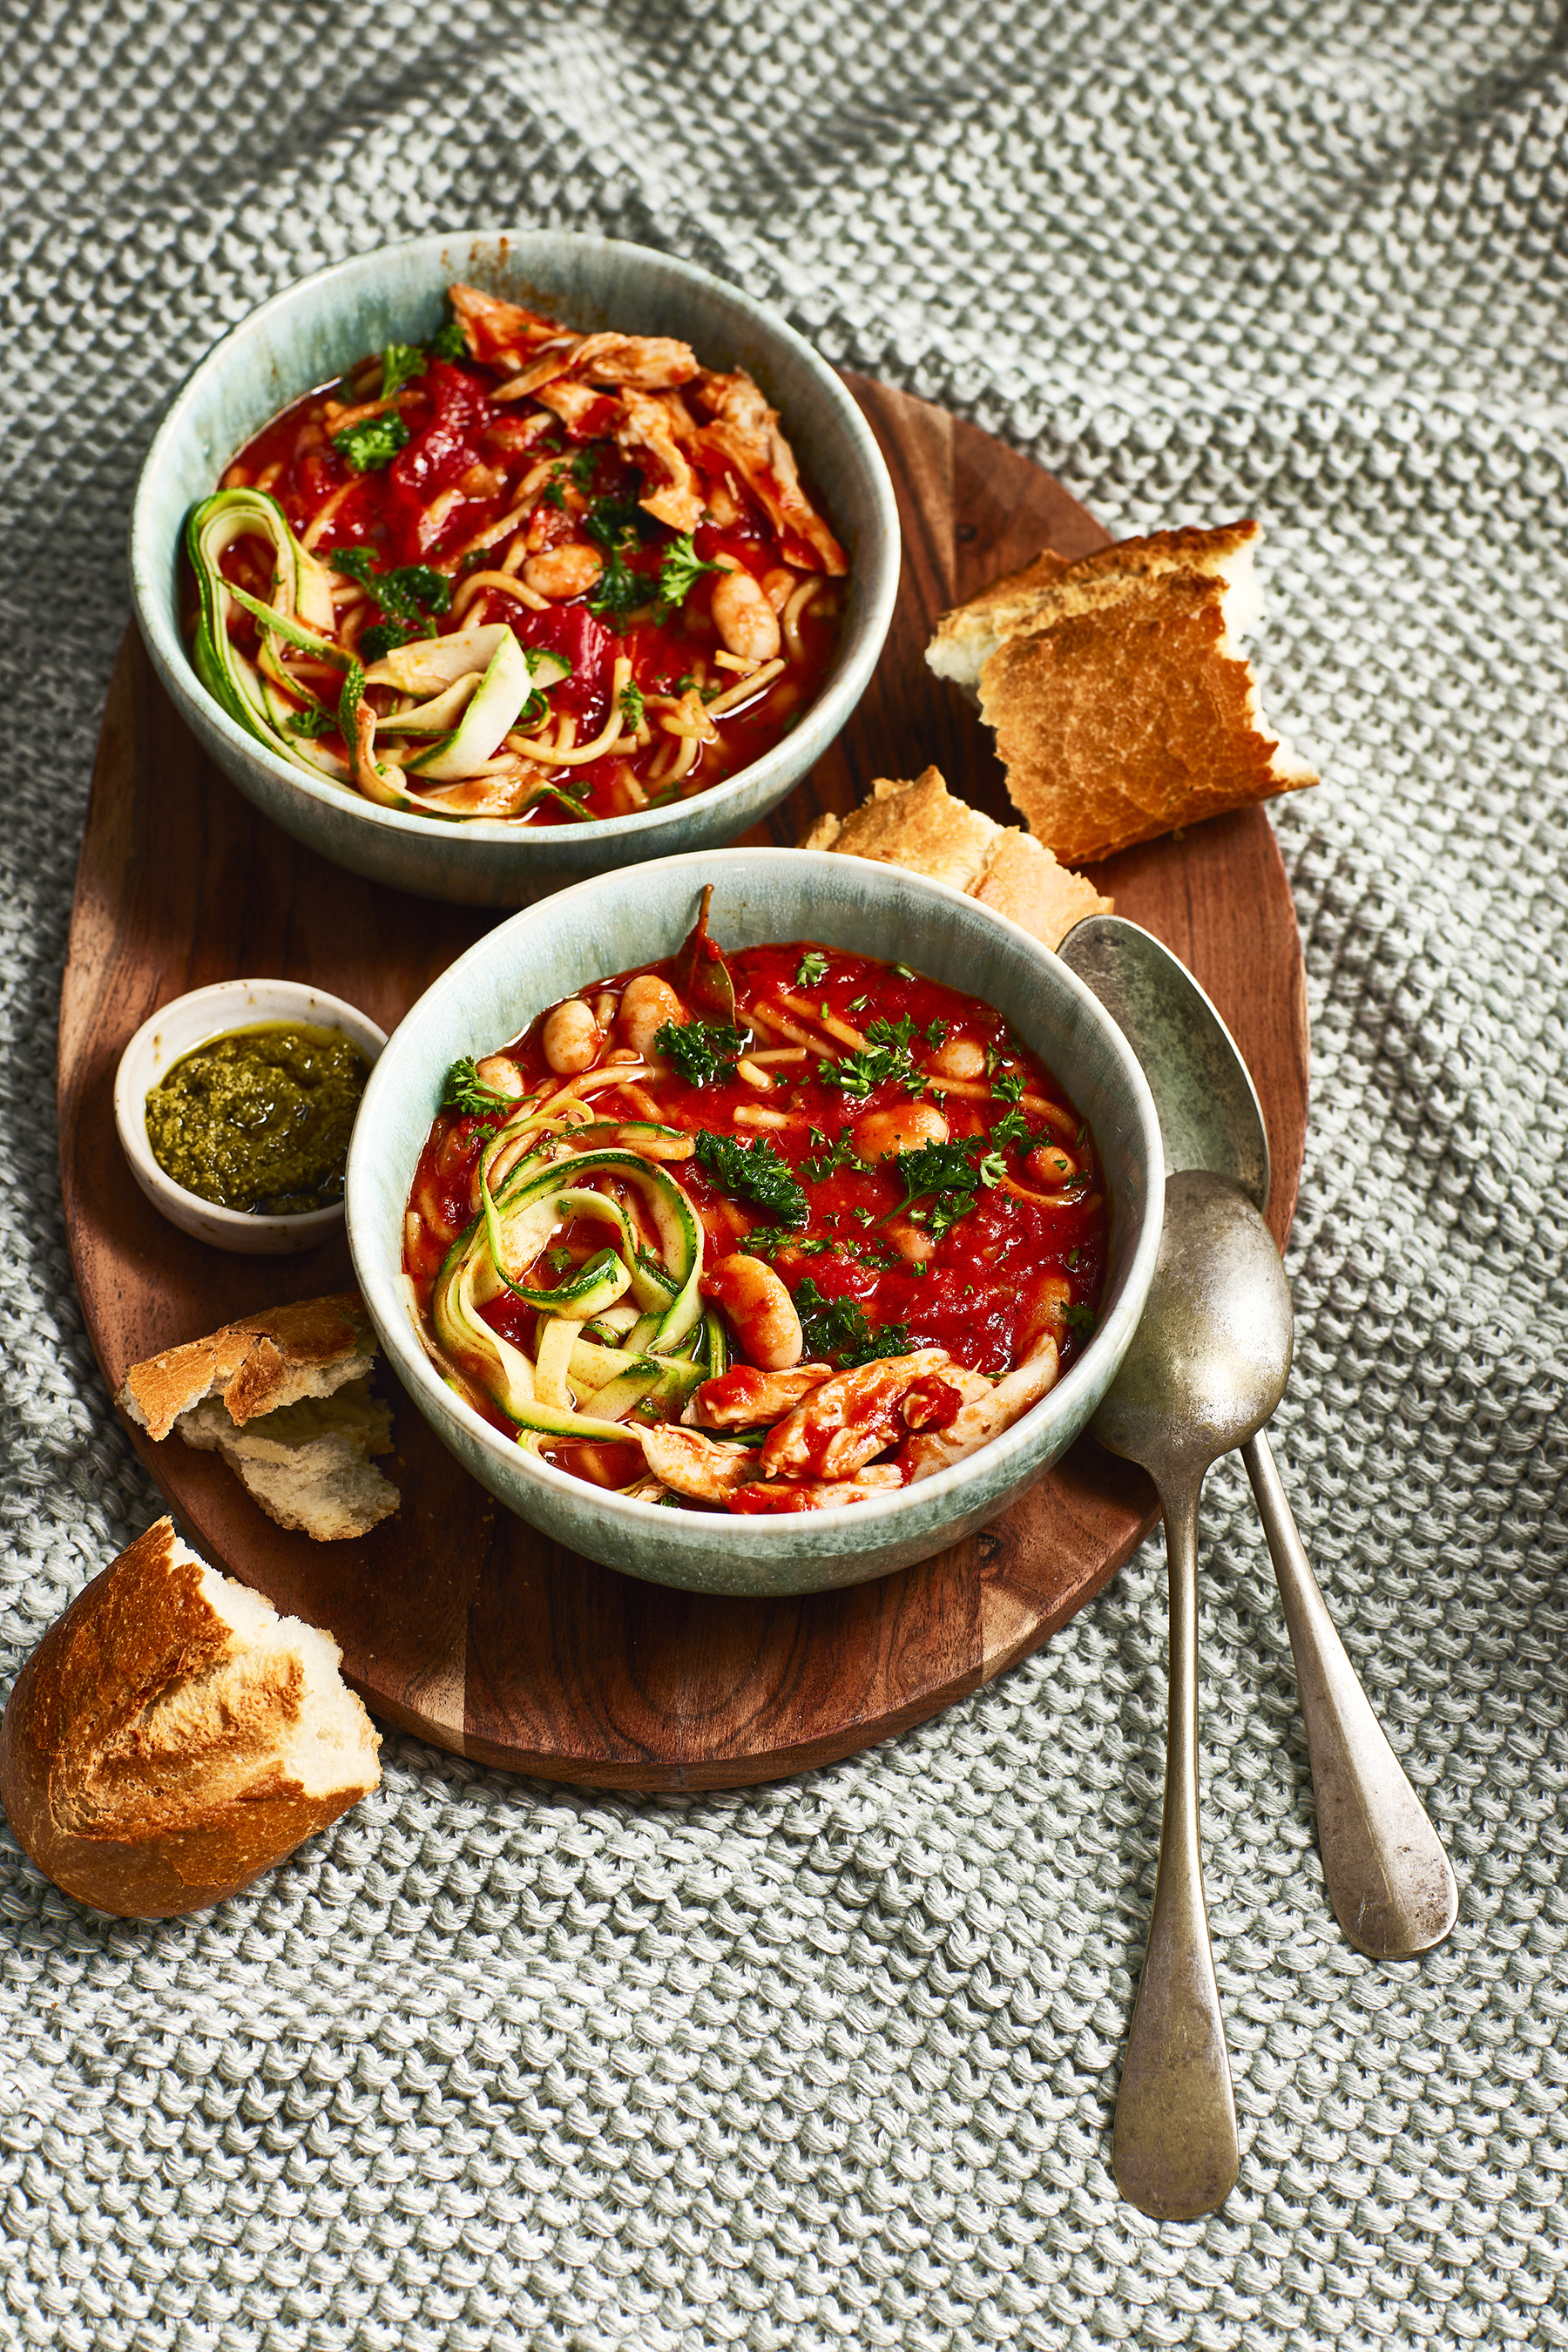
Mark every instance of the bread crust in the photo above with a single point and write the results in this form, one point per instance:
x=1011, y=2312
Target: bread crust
x=1122, y=705
x=1123, y=716
x=918, y=825
x=264, y=1361
x=922, y=827
x=144, y=1834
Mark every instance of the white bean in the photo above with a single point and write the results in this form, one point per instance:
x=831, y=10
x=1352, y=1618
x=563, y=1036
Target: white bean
x=904, y=1130
x=501, y=1075
x=961, y=1057
x=647, y=1006
x=744, y=617
x=572, y=1038
x=561, y=572
x=760, y=1310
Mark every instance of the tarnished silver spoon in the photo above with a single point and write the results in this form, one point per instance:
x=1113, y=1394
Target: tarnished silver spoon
x=1206, y=1368
x=1389, y=1879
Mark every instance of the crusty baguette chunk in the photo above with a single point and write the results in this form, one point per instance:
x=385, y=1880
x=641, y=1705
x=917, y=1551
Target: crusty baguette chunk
x=311, y=1349
x=1022, y=880
x=171, y=1736
x=1123, y=703
x=922, y=827
x=967, y=636
x=918, y=825
x=284, y=1398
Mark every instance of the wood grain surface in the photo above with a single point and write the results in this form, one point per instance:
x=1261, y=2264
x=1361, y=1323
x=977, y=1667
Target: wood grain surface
x=458, y=1623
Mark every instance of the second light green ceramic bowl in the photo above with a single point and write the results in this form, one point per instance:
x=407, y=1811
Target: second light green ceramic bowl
x=620, y=920
x=309, y=335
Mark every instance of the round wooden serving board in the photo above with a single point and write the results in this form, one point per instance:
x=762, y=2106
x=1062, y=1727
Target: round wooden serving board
x=458, y=1621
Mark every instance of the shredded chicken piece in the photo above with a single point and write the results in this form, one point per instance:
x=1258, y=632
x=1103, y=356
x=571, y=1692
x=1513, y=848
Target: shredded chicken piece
x=816, y=1493
x=586, y=413
x=703, y=1467
x=500, y=331
x=646, y=363
x=744, y=434
x=649, y=432
x=848, y=1419
x=643, y=362
x=986, y=1417
x=743, y=1398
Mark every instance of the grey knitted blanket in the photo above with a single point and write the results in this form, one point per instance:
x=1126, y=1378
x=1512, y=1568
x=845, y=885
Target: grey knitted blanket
x=833, y=2064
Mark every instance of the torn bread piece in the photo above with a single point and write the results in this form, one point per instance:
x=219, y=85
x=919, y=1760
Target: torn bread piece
x=1123, y=703
x=285, y=1397
x=967, y=636
x=171, y=1736
x=919, y=825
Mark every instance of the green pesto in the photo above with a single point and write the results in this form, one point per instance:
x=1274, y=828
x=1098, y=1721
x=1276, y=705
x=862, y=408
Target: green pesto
x=260, y=1119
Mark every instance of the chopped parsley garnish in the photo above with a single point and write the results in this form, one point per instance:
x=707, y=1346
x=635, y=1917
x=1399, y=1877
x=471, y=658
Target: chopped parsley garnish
x=558, y=1260
x=936, y=1033
x=618, y=590
x=903, y=971
x=836, y=1330
x=631, y=707
x=554, y=493
x=464, y=1091
x=858, y=1003
x=767, y=1241
x=1072, y=1258
x=614, y=522
x=679, y=570
x=1009, y=1086
x=826, y=1157
x=886, y=1057
x=400, y=364
x=309, y=722
x=616, y=526
x=899, y=1034
x=754, y=1172
x=405, y=598
x=700, y=1050
x=585, y=465
x=1081, y=1318
x=946, y=1175
x=370, y=443
x=449, y=343
x=1011, y=1128
x=409, y=594
x=812, y=969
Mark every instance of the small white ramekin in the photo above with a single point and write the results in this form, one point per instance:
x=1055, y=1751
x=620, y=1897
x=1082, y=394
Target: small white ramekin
x=173, y=1031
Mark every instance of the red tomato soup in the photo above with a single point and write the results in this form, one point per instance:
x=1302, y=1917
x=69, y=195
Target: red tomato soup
x=519, y=573
x=760, y=1233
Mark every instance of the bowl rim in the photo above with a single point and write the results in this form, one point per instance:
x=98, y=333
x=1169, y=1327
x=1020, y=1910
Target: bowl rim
x=414, y=1367
x=166, y=1193
x=861, y=645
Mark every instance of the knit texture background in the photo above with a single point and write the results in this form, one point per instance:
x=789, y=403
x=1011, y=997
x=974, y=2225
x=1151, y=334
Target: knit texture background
x=832, y=2064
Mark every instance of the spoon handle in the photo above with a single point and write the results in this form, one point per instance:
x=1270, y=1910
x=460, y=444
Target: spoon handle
x=1389, y=1879
x=1173, y=2148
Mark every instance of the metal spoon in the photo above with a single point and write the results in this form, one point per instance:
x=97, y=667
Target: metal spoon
x=1389, y=1879
x=1207, y=1368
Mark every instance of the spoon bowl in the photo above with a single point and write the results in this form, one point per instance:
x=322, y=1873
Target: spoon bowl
x=1213, y=1351
x=1389, y=1879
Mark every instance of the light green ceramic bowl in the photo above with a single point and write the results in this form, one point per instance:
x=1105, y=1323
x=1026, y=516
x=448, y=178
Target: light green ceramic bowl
x=309, y=335
x=619, y=920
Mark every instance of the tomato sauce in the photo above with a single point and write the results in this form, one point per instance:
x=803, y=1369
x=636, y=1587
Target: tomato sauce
x=978, y=1270
x=526, y=502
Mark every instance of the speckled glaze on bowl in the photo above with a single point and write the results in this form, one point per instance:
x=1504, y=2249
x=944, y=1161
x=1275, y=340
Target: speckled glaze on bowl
x=619, y=920
x=308, y=336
